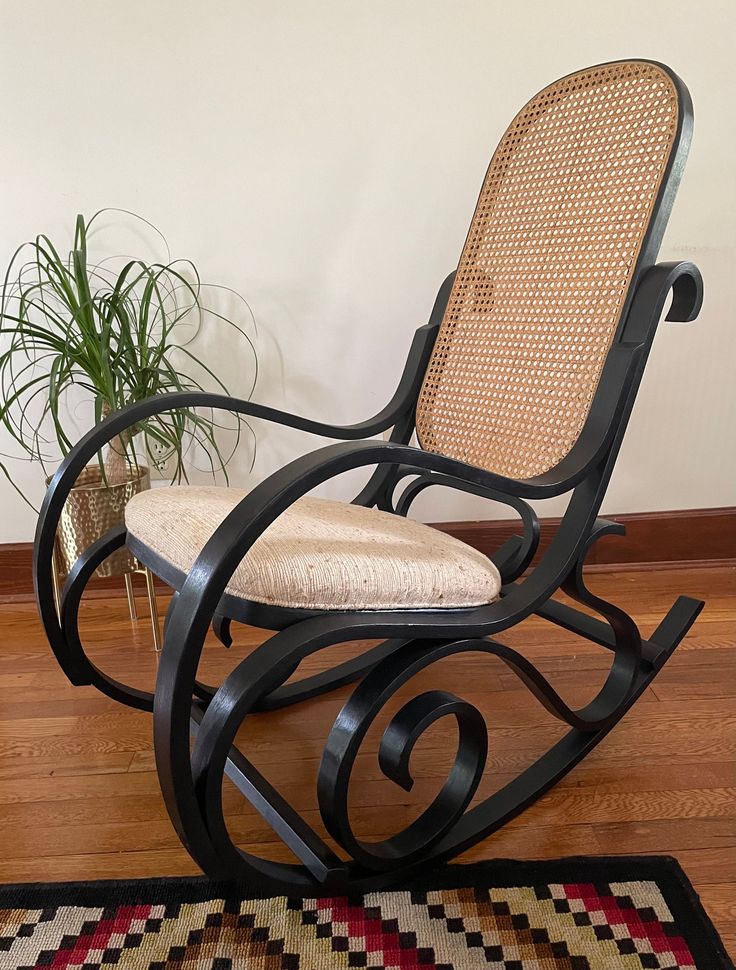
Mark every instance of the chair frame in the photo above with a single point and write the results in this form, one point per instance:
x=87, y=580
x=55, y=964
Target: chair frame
x=411, y=640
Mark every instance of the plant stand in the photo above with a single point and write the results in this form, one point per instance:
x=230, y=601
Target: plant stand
x=90, y=510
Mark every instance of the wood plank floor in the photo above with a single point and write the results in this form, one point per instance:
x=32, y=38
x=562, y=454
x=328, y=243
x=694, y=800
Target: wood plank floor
x=79, y=797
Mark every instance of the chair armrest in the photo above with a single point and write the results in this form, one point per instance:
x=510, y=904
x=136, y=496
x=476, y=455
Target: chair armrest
x=399, y=410
x=403, y=401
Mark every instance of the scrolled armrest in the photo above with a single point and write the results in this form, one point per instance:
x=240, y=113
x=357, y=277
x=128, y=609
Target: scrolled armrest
x=402, y=401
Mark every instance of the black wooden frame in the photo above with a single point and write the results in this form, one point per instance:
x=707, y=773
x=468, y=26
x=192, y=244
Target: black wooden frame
x=411, y=639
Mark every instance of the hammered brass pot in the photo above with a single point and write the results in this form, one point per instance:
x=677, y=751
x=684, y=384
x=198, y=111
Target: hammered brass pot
x=91, y=510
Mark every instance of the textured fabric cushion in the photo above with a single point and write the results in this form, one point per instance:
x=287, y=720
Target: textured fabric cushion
x=320, y=555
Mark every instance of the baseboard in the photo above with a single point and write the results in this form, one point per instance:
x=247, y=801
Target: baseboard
x=16, y=578
x=673, y=538
x=677, y=538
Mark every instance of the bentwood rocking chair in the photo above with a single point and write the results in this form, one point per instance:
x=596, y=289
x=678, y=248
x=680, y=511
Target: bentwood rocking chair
x=519, y=387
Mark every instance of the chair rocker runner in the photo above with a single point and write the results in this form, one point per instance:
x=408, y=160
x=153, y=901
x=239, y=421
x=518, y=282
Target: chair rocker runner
x=520, y=387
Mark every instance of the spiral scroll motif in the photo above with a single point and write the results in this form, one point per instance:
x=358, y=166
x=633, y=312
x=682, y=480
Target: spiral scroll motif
x=446, y=826
x=397, y=743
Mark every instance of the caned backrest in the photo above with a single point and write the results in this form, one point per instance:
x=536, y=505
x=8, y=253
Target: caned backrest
x=544, y=274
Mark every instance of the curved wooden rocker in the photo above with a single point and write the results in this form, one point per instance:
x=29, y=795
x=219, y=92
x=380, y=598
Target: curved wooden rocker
x=520, y=387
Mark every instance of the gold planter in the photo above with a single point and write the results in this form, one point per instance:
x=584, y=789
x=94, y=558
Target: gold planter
x=91, y=510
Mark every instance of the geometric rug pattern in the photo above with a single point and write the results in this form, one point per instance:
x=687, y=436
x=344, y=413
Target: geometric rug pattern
x=467, y=923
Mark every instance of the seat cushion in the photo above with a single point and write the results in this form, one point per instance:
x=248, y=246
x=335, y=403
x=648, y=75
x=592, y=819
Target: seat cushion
x=319, y=554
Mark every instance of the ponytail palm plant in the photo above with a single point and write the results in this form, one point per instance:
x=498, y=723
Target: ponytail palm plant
x=114, y=331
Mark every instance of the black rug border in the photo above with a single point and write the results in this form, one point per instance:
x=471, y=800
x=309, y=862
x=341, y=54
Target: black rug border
x=683, y=902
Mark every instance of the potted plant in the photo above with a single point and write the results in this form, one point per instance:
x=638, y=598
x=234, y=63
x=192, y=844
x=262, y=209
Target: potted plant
x=109, y=332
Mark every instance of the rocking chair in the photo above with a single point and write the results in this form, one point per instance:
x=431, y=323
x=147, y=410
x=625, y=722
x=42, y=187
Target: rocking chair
x=520, y=387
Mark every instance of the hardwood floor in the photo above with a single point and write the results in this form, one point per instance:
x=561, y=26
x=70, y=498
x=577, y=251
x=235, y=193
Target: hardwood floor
x=79, y=797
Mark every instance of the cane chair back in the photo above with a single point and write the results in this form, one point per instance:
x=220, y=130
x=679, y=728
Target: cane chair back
x=543, y=278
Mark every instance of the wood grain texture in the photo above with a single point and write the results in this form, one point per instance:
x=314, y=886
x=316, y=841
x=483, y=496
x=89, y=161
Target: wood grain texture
x=682, y=537
x=79, y=797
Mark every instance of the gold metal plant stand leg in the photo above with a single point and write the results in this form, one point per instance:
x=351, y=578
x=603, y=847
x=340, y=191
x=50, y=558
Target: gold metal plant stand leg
x=153, y=609
x=130, y=592
x=56, y=581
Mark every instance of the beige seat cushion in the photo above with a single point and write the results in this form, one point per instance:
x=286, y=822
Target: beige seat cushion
x=320, y=555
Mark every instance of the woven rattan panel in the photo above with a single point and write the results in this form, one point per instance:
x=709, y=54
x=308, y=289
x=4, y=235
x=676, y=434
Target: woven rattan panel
x=545, y=269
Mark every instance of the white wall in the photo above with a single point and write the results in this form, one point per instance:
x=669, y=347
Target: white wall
x=324, y=157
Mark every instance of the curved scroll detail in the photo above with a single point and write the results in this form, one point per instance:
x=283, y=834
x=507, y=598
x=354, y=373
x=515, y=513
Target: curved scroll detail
x=76, y=582
x=71, y=597
x=397, y=743
x=628, y=647
x=516, y=554
x=442, y=816
x=683, y=280
x=442, y=829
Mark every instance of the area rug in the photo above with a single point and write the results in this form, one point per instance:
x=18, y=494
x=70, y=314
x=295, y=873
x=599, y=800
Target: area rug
x=567, y=914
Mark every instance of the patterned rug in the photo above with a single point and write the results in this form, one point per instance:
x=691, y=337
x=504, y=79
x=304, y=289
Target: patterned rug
x=569, y=914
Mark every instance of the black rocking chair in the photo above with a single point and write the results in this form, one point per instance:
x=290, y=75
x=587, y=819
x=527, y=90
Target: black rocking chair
x=520, y=387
